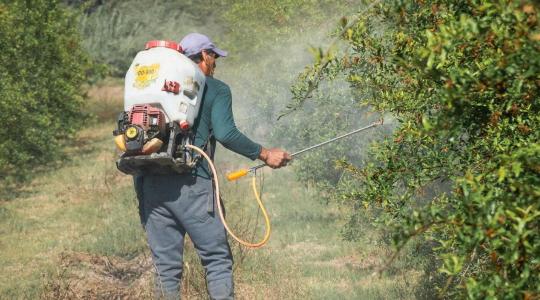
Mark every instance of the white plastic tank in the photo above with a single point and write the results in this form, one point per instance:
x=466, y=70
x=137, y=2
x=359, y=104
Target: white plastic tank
x=163, y=77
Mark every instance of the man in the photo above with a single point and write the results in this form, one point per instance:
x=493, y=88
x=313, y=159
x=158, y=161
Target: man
x=173, y=205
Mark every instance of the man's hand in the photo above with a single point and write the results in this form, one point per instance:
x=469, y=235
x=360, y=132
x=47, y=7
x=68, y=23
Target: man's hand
x=274, y=158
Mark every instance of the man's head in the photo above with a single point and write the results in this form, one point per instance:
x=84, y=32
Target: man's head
x=202, y=51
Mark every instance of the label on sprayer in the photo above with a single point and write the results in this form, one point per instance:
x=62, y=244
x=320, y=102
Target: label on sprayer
x=145, y=75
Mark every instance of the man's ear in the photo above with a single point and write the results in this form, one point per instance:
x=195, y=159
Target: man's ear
x=204, y=56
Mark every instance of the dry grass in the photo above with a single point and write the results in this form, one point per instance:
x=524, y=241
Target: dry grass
x=105, y=100
x=90, y=276
x=60, y=210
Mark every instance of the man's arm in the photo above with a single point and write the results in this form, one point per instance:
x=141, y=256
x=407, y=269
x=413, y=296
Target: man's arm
x=231, y=138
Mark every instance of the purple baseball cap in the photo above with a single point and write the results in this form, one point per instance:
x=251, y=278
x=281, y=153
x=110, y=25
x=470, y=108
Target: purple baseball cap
x=194, y=43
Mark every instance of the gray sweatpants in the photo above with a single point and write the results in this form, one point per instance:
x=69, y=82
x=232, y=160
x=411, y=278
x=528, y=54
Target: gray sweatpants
x=171, y=206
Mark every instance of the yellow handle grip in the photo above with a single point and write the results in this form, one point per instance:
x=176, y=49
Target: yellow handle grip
x=237, y=174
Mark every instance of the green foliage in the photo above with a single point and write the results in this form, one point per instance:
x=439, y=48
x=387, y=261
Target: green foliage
x=42, y=68
x=461, y=172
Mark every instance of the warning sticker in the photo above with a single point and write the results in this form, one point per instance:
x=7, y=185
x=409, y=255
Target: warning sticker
x=145, y=75
x=183, y=107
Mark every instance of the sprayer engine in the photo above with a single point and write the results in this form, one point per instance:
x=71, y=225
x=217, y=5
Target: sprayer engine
x=151, y=145
x=141, y=130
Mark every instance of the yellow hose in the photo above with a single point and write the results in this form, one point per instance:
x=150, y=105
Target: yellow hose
x=220, y=210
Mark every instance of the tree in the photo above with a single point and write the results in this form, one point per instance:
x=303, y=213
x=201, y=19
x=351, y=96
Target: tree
x=42, y=68
x=461, y=171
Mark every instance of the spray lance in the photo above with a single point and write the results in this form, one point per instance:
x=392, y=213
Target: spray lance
x=243, y=172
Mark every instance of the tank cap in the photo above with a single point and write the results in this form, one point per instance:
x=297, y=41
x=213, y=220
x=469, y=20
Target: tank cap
x=184, y=125
x=166, y=44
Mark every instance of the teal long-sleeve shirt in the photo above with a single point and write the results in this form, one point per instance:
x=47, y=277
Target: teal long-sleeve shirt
x=215, y=114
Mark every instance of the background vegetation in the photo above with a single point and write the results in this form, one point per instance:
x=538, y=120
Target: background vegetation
x=42, y=67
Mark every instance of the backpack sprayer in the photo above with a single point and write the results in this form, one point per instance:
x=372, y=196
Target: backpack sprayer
x=162, y=97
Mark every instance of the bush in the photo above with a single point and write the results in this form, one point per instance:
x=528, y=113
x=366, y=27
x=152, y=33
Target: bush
x=42, y=68
x=461, y=172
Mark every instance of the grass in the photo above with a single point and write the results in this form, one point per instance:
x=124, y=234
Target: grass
x=79, y=223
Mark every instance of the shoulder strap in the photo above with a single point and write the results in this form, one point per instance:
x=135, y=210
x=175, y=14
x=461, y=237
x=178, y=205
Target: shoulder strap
x=210, y=145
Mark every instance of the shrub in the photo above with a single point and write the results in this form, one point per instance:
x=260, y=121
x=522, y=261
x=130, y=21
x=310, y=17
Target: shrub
x=42, y=68
x=461, y=171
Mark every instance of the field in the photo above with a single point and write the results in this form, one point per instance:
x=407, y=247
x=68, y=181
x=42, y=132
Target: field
x=74, y=233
